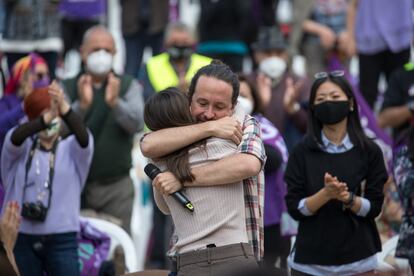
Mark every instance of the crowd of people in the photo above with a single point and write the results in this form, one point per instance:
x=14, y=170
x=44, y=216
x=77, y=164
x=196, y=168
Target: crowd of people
x=288, y=173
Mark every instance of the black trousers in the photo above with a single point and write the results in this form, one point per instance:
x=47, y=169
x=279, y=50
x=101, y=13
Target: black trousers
x=73, y=31
x=371, y=67
x=276, y=247
x=234, y=61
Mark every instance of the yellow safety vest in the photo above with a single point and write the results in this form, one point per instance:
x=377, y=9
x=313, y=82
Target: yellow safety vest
x=162, y=74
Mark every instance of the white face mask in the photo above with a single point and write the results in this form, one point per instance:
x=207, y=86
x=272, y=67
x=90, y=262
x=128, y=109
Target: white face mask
x=245, y=104
x=273, y=67
x=52, y=129
x=99, y=62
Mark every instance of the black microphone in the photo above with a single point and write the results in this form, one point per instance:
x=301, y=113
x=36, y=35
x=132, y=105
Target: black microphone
x=152, y=171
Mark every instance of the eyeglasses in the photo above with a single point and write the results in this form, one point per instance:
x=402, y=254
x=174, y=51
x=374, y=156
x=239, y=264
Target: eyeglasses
x=322, y=75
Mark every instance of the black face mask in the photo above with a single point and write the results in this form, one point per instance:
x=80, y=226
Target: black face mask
x=331, y=112
x=179, y=52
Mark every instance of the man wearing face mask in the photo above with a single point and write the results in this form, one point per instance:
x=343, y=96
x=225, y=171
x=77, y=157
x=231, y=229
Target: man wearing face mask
x=111, y=106
x=282, y=93
x=176, y=66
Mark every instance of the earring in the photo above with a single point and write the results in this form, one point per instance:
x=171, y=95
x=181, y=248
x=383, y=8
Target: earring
x=352, y=108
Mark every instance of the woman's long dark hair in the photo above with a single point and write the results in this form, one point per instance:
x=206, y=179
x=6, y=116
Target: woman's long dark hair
x=170, y=108
x=354, y=128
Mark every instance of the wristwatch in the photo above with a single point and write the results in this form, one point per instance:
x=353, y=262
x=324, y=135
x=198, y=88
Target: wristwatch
x=350, y=201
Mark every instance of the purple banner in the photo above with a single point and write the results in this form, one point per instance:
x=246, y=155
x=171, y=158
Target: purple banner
x=93, y=248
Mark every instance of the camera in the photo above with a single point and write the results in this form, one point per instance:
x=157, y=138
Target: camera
x=34, y=211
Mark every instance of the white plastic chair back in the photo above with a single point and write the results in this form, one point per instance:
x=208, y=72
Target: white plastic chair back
x=118, y=236
x=388, y=249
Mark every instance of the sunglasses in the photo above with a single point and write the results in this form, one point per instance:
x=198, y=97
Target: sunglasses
x=40, y=76
x=322, y=75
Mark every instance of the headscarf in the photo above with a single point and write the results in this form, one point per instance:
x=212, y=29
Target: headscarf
x=24, y=64
x=36, y=102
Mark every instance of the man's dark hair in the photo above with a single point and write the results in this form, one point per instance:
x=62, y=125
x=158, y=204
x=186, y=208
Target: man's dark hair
x=218, y=70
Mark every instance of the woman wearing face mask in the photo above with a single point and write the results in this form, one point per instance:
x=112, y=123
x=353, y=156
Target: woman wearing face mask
x=45, y=174
x=276, y=243
x=28, y=73
x=335, y=179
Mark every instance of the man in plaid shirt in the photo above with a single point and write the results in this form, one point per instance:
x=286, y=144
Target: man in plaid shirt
x=213, y=96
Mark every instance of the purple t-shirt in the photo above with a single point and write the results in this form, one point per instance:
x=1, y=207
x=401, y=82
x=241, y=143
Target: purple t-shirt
x=383, y=24
x=275, y=188
x=71, y=169
x=11, y=112
x=82, y=9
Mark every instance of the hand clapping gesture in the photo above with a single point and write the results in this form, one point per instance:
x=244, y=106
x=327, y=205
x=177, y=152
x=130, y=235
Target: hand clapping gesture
x=85, y=91
x=291, y=96
x=112, y=90
x=336, y=189
x=58, y=98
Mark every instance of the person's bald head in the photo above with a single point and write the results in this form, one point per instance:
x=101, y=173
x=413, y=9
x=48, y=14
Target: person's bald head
x=97, y=38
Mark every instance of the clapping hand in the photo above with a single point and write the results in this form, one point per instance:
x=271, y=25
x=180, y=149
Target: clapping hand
x=58, y=98
x=264, y=87
x=290, y=98
x=335, y=188
x=9, y=229
x=85, y=91
x=112, y=90
x=9, y=225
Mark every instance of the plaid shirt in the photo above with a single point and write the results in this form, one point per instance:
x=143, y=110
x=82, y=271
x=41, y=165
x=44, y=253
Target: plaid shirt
x=254, y=186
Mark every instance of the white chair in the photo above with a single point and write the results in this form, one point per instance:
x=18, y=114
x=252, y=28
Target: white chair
x=388, y=249
x=118, y=237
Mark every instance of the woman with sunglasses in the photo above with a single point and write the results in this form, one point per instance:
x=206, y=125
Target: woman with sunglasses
x=45, y=174
x=28, y=73
x=335, y=179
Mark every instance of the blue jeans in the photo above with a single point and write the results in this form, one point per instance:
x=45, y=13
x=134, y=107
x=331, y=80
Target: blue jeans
x=55, y=254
